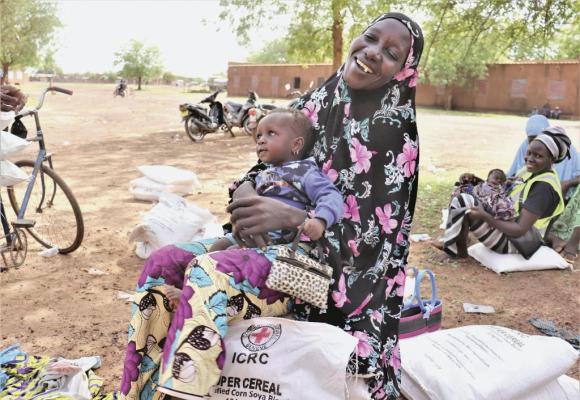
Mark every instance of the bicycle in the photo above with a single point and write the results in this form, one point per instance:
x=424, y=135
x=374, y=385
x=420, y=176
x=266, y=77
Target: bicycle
x=56, y=218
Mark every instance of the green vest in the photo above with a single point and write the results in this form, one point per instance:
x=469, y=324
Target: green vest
x=520, y=192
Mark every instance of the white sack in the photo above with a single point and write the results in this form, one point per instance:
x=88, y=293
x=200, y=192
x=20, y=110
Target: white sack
x=145, y=194
x=10, y=144
x=172, y=220
x=299, y=360
x=563, y=388
x=10, y=174
x=169, y=175
x=147, y=183
x=544, y=258
x=480, y=362
x=146, y=189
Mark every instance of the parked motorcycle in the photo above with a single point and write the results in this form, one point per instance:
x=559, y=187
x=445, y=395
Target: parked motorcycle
x=236, y=114
x=200, y=119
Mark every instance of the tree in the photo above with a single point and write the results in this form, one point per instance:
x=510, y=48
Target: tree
x=463, y=38
x=48, y=65
x=274, y=52
x=139, y=62
x=169, y=78
x=318, y=28
x=26, y=27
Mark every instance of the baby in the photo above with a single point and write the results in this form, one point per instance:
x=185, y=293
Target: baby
x=283, y=140
x=493, y=193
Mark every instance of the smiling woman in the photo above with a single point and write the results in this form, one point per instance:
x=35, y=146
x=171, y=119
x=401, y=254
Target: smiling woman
x=366, y=143
x=378, y=55
x=537, y=195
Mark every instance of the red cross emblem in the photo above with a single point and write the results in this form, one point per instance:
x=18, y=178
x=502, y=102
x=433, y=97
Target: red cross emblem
x=259, y=336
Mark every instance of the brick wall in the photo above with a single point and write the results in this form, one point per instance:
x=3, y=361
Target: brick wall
x=514, y=87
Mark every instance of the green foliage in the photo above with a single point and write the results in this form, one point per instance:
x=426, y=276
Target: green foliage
x=275, y=52
x=461, y=37
x=47, y=64
x=26, y=27
x=309, y=37
x=139, y=62
x=168, y=77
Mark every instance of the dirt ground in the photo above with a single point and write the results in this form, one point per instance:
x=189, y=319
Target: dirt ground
x=52, y=306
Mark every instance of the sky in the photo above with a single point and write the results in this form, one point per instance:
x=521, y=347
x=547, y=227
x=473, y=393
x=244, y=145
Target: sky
x=95, y=29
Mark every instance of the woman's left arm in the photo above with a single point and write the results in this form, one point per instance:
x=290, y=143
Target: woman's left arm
x=511, y=228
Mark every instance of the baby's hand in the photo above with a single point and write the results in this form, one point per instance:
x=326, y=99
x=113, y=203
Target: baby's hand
x=314, y=228
x=173, y=294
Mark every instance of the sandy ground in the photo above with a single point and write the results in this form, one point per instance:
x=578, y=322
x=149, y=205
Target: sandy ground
x=52, y=306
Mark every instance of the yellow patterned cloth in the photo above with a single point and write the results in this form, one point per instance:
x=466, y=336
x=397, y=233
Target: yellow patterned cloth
x=23, y=376
x=178, y=349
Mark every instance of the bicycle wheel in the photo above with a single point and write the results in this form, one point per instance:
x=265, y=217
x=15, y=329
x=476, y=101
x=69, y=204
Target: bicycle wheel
x=58, y=217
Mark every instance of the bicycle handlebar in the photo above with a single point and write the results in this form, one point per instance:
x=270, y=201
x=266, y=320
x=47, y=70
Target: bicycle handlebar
x=41, y=99
x=60, y=90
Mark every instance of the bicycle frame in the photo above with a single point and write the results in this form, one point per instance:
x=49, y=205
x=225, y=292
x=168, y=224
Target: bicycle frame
x=41, y=156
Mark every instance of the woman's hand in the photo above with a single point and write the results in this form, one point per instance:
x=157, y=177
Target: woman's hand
x=479, y=213
x=246, y=189
x=253, y=217
x=12, y=99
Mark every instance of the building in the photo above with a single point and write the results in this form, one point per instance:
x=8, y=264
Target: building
x=515, y=87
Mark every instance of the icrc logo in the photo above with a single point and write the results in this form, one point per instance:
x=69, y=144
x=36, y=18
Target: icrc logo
x=261, y=337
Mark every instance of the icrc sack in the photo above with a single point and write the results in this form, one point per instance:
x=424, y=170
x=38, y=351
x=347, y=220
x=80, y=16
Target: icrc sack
x=282, y=359
x=481, y=362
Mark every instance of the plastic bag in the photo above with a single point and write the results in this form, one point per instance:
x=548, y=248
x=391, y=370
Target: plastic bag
x=172, y=220
x=10, y=174
x=10, y=144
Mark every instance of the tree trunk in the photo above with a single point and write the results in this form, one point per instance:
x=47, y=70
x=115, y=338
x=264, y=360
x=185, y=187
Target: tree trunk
x=449, y=98
x=139, y=83
x=4, y=78
x=337, y=26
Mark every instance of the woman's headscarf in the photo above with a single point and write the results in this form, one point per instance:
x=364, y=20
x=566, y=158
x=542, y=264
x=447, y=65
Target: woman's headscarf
x=557, y=142
x=367, y=144
x=567, y=169
x=536, y=124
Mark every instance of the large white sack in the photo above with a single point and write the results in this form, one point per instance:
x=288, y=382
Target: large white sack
x=563, y=388
x=299, y=360
x=145, y=194
x=169, y=175
x=544, y=258
x=149, y=190
x=10, y=174
x=10, y=144
x=6, y=118
x=172, y=220
x=480, y=362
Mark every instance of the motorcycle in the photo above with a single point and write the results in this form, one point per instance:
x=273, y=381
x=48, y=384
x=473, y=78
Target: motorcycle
x=236, y=114
x=255, y=114
x=199, y=120
x=120, y=90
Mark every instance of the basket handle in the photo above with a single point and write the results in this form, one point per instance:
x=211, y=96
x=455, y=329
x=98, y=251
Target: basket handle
x=296, y=241
x=418, y=280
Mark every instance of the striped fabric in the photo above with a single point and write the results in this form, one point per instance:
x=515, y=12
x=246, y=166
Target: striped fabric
x=492, y=238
